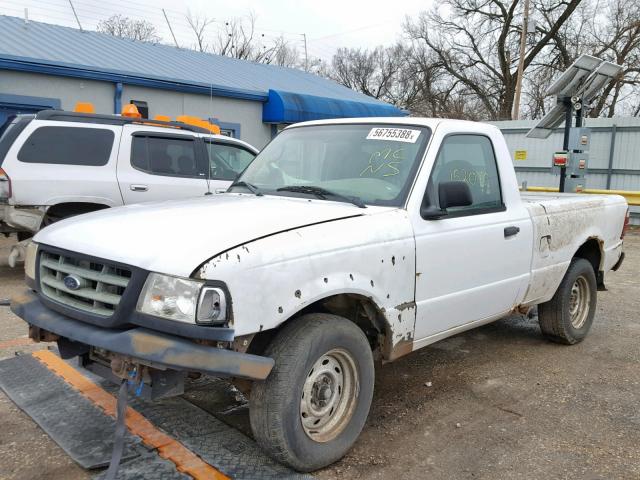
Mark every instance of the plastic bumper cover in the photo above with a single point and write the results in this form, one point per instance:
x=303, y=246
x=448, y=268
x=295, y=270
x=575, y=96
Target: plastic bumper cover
x=144, y=344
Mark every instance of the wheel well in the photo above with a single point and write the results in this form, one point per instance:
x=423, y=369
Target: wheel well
x=361, y=310
x=591, y=250
x=68, y=209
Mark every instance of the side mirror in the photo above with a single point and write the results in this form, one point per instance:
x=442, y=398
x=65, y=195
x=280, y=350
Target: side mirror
x=454, y=194
x=450, y=194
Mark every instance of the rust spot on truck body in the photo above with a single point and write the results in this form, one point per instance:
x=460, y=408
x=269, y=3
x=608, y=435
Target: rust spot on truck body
x=406, y=305
x=400, y=349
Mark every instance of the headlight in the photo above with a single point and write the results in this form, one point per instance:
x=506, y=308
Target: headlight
x=30, y=260
x=182, y=300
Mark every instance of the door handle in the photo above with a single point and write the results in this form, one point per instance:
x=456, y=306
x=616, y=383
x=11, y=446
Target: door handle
x=221, y=190
x=511, y=231
x=139, y=188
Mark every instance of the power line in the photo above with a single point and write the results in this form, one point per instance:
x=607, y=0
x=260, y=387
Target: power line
x=171, y=25
x=346, y=32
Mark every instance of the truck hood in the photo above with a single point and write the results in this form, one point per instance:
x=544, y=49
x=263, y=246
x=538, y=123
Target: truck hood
x=175, y=237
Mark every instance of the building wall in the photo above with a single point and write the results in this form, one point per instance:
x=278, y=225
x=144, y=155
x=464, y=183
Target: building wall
x=228, y=110
x=68, y=90
x=71, y=90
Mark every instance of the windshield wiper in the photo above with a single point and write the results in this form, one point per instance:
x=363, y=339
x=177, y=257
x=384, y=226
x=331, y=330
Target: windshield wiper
x=249, y=186
x=322, y=193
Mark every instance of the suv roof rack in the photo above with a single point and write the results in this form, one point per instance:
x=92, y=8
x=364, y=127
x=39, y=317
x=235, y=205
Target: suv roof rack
x=66, y=116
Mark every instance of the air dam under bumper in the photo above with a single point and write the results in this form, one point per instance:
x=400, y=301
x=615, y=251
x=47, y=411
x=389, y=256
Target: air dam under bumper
x=141, y=343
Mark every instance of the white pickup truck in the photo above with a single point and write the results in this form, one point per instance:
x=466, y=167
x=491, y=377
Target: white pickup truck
x=343, y=242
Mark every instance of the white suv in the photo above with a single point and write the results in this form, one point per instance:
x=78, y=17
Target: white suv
x=58, y=164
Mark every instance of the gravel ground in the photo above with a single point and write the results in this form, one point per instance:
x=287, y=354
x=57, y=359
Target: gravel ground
x=498, y=402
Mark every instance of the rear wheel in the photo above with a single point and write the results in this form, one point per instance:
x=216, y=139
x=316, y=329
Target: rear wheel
x=22, y=236
x=67, y=210
x=568, y=316
x=310, y=410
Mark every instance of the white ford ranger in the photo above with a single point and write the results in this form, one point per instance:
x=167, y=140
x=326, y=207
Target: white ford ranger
x=343, y=242
x=57, y=164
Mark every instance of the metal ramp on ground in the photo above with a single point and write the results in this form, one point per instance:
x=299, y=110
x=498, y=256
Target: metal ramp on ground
x=85, y=431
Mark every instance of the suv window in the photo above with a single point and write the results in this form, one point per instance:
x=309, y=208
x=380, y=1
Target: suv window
x=68, y=146
x=166, y=156
x=470, y=159
x=10, y=131
x=226, y=160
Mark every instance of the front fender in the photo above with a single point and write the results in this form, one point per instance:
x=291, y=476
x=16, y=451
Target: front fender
x=274, y=278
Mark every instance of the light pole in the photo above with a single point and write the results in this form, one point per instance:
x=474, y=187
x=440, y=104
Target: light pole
x=523, y=44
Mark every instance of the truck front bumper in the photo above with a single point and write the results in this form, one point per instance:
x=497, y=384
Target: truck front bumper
x=172, y=352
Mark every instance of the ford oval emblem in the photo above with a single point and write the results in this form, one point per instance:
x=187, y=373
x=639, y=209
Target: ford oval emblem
x=72, y=282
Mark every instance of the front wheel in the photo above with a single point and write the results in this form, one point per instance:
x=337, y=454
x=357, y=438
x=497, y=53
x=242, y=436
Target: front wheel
x=310, y=410
x=568, y=316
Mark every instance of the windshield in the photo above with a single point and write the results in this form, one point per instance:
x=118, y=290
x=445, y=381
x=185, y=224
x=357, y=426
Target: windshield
x=372, y=163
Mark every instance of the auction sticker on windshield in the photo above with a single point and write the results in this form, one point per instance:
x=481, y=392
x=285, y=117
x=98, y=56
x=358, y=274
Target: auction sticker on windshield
x=396, y=134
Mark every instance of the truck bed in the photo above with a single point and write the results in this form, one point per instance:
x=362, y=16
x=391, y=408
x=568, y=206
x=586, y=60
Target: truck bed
x=562, y=223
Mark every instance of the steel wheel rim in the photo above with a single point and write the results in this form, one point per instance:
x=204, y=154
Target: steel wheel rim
x=579, y=302
x=329, y=395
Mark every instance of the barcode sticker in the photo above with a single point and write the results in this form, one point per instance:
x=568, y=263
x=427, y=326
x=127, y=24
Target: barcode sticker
x=407, y=135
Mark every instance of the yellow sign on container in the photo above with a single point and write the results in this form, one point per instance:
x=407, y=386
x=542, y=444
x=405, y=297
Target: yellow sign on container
x=520, y=155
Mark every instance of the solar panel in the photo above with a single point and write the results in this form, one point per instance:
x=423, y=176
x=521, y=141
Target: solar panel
x=567, y=84
x=583, y=79
x=551, y=120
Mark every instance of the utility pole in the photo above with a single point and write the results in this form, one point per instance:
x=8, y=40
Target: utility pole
x=306, y=56
x=75, y=15
x=523, y=45
x=170, y=29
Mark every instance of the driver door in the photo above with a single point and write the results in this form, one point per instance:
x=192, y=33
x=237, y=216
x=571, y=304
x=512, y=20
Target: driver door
x=469, y=266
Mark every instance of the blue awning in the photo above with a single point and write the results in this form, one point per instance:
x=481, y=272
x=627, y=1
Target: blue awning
x=287, y=107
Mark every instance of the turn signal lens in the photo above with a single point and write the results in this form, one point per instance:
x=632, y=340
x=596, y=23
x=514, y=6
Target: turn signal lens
x=30, y=260
x=5, y=185
x=625, y=226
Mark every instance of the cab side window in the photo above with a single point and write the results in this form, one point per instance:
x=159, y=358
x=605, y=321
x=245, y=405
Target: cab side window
x=469, y=159
x=165, y=156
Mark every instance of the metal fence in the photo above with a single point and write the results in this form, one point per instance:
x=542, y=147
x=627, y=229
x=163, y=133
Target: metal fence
x=614, y=154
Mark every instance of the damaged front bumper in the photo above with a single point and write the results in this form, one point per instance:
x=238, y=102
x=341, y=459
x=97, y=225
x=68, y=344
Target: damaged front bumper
x=143, y=344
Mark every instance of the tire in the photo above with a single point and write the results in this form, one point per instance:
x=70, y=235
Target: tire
x=306, y=354
x=563, y=319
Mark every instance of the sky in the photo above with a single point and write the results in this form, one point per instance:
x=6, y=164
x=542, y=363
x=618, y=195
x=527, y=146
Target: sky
x=328, y=24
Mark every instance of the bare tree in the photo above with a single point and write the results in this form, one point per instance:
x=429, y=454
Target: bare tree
x=615, y=36
x=239, y=39
x=198, y=24
x=476, y=43
x=607, y=29
x=125, y=27
x=408, y=76
x=432, y=92
x=284, y=54
x=372, y=72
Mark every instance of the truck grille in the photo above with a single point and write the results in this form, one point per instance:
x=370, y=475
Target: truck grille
x=99, y=285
